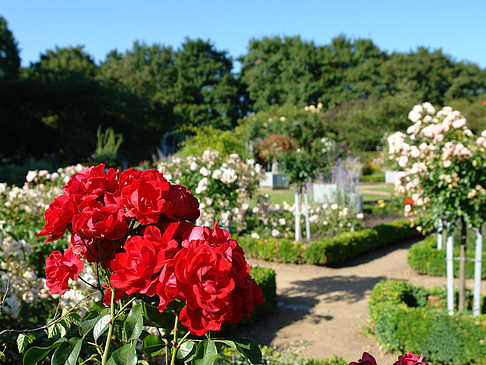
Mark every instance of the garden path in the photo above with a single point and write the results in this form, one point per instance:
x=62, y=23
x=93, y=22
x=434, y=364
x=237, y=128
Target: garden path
x=323, y=311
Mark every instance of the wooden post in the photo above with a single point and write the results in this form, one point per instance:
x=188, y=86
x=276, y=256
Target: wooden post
x=306, y=207
x=462, y=267
x=439, y=235
x=298, y=231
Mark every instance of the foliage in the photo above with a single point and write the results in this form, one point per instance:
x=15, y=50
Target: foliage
x=265, y=278
x=9, y=52
x=224, y=142
x=338, y=250
x=107, y=147
x=328, y=251
x=373, y=178
x=424, y=258
x=223, y=185
x=402, y=319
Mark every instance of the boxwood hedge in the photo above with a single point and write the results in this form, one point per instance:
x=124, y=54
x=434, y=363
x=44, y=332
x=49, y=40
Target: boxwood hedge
x=329, y=251
x=424, y=258
x=403, y=321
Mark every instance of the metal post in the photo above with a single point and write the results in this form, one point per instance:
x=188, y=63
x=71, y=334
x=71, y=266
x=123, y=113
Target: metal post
x=298, y=233
x=450, y=272
x=439, y=235
x=477, y=273
x=307, y=222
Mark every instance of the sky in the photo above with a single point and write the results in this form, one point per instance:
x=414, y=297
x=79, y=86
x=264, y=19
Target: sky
x=456, y=27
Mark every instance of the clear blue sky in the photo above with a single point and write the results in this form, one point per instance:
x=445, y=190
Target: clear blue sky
x=458, y=27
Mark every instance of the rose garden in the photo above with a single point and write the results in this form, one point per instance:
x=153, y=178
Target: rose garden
x=322, y=205
x=149, y=264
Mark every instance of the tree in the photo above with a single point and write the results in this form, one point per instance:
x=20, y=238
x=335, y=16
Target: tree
x=9, y=52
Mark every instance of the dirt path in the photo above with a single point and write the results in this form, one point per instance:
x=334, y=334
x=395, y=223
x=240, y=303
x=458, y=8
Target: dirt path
x=323, y=311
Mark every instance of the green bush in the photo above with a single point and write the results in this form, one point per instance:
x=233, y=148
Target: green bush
x=339, y=249
x=402, y=320
x=424, y=258
x=265, y=278
x=373, y=178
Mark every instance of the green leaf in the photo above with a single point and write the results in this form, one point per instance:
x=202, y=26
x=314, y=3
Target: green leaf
x=68, y=352
x=74, y=318
x=24, y=340
x=143, y=362
x=133, y=325
x=249, y=350
x=36, y=354
x=152, y=345
x=101, y=326
x=187, y=351
x=125, y=355
x=206, y=353
x=158, y=319
x=59, y=328
x=87, y=325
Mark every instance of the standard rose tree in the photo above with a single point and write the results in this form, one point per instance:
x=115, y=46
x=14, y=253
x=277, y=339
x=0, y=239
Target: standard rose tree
x=154, y=268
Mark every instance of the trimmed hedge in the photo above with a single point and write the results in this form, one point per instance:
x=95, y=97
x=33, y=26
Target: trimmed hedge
x=340, y=249
x=329, y=251
x=403, y=321
x=373, y=178
x=265, y=278
x=424, y=258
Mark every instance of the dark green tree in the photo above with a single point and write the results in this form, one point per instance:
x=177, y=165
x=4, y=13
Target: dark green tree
x=9, y=52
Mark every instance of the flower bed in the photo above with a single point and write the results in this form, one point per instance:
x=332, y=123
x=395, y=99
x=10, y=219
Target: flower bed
x=424, y=258
x=331, y=250
x=402, y=319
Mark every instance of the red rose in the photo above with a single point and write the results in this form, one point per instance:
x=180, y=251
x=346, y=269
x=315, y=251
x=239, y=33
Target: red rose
x=57, y=216
x=147, y=197
x=184, y=205
x=96, y=250
x=107, y=297
x=204, y=276
x=144, y=257
x=99, y=221
x=60, y=268
x=366, y=359
x=245, y=297
x=410, y=359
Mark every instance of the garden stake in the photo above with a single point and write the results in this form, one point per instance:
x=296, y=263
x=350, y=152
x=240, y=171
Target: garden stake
x=450, y=272
x=477, y=273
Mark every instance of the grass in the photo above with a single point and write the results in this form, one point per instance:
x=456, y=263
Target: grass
x=371, y=192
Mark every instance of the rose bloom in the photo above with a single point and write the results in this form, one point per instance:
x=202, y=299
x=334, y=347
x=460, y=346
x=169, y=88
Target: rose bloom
x=366, y=359
x=184, y=205
x=58, y=216
x=147, y=197
x=60, y=268
x=410, y=359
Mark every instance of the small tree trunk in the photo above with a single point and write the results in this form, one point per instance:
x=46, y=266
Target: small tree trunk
x=298, y=229
x=462, y=267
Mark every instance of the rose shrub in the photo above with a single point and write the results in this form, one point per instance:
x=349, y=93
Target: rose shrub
x=134, y=229
x=406, y=359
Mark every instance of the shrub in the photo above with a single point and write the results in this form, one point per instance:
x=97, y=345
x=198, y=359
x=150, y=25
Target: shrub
x=424, y=258
x=373, y=178
x=402, y=320
x=265, y=278
x=341, y=248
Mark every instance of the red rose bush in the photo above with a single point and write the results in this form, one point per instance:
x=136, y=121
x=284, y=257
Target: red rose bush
x=406, y=359
x=135, y=229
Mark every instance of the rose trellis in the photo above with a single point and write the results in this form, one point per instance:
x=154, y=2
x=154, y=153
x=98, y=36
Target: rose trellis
x=442, y=162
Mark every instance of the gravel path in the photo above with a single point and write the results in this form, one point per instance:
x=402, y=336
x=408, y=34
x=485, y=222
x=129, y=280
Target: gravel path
x=323, y=311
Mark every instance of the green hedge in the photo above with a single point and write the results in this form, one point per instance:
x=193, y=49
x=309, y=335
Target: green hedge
x=265, y=278
x=373, y=178
x=340, y=249
x=403, y=321
x=335, y=250
x=424, y=258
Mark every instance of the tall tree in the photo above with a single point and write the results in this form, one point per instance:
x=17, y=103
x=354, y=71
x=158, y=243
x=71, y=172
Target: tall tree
x=9, y=52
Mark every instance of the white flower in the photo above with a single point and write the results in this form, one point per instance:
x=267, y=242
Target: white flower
x=275, y=232
x=334, y=206
x=360, y=215
x=31, y=176
x=255, y=235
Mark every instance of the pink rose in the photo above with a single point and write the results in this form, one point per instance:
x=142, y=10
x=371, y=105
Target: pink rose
x=366, y=359
x=410, y=359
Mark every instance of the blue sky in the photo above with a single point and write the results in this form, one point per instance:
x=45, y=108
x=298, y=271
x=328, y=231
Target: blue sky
x=458, y=27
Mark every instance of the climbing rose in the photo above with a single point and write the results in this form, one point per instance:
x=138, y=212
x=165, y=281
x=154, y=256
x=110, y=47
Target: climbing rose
x=57, y=216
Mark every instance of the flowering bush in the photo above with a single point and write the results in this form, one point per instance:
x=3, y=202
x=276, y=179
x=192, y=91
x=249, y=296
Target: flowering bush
x=224, y=187
x=134, y=229
x=443, y=166
x=275, y=220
